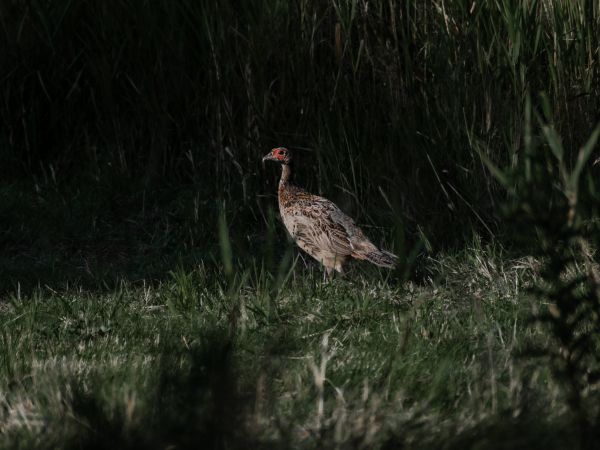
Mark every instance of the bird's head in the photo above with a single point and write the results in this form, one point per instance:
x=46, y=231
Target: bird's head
x=279, y=154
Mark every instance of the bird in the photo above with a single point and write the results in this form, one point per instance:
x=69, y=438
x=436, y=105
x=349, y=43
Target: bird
x=319, y=227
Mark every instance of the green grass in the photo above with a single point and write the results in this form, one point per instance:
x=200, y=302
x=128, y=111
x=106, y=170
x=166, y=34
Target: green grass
x=357, y=363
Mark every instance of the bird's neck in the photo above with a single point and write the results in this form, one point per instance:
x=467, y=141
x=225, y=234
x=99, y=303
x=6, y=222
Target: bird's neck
x=286, y=175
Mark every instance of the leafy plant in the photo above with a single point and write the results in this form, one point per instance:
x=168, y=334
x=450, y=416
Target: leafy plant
x=554, y=201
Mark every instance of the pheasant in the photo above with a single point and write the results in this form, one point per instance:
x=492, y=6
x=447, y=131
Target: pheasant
x=319, y=227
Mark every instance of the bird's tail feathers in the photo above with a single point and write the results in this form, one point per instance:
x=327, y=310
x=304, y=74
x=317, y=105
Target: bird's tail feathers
x=381, y=258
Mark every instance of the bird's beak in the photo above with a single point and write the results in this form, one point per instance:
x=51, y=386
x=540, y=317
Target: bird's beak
x=268, y=157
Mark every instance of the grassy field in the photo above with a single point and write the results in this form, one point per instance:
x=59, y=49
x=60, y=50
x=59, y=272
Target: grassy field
x=257, y=361
x=129, y=345
x=149, y=297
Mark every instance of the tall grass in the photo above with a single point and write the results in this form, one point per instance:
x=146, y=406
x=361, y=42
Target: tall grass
x=546, y=203
x=389, y=97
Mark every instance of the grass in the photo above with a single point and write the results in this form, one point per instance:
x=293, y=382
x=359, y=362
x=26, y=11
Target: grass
x=238, y=343
x=364, y=362
x=401, y=95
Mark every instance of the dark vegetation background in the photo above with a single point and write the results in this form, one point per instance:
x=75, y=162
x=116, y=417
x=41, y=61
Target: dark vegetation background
x=121, y=121
x=137, y=222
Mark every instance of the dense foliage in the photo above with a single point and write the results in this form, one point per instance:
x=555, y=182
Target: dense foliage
x=392, y=98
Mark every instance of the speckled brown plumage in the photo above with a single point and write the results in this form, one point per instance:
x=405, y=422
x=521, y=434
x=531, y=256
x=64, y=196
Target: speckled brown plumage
x=319, y=227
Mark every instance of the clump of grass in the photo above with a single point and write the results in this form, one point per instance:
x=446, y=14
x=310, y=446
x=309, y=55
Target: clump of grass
x=551, y=199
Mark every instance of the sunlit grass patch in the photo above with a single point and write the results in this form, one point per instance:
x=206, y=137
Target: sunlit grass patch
x=358, y=361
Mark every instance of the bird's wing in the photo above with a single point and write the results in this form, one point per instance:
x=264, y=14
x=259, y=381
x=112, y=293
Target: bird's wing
x=319, y=222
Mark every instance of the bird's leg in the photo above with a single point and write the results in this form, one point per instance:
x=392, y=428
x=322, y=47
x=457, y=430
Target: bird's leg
x=327, y=274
